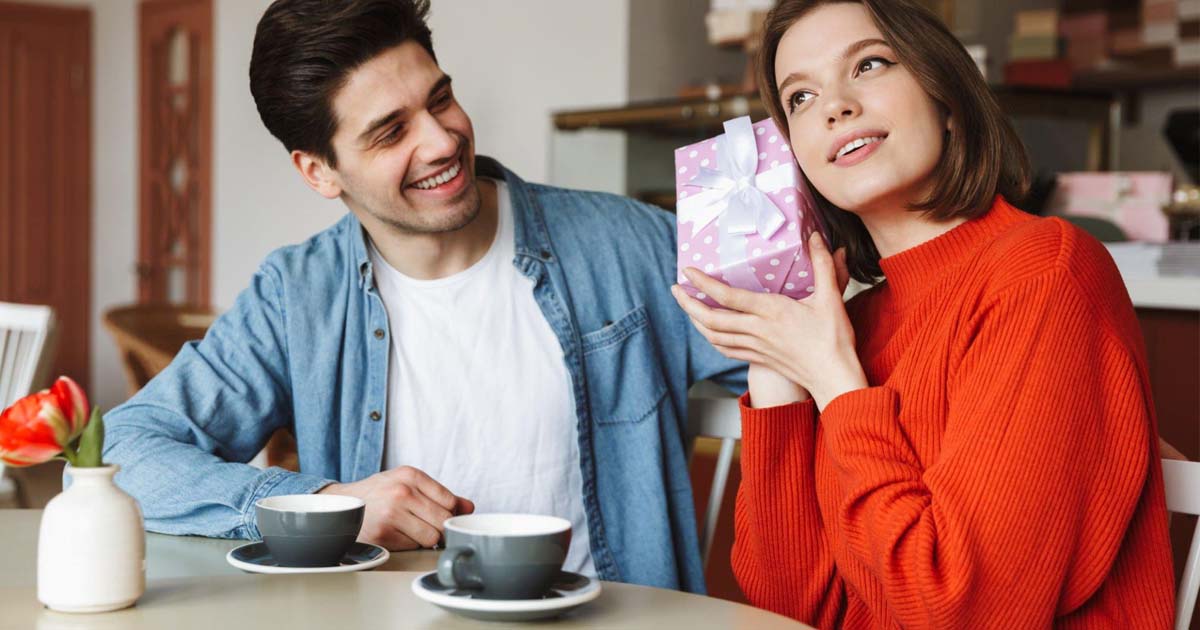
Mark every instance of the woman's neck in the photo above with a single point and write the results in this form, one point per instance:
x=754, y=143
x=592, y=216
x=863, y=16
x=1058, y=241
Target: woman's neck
x=896, y=230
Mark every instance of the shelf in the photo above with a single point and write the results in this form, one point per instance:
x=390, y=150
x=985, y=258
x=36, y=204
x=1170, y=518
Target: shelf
x=1139, y=78
x=666, y=116
x=703, y=117
x=707, y=115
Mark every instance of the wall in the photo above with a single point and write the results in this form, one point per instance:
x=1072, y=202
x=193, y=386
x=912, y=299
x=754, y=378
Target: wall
x=114, y=179
x=503, y=77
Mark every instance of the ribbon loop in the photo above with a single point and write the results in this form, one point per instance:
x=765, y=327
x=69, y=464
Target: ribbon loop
x=735, y=193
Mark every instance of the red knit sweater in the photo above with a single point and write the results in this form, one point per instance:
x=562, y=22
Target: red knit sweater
x=1001, y=471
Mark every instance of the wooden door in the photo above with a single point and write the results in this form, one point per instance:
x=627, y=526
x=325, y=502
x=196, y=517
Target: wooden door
x=45, y=170
x=175, y=126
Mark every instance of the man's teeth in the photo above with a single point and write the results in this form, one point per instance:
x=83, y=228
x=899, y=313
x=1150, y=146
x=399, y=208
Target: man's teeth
x=854, y=144
x=438, y=180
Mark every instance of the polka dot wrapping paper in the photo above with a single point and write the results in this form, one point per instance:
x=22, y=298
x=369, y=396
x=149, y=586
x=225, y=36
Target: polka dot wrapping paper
x=766, y=255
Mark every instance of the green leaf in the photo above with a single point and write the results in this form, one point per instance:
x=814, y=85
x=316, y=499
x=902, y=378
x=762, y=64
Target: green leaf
x=91, y=443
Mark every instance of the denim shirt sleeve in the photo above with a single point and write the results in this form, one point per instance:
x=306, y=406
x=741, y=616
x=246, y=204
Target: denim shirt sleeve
x=704, y=362
x=182, y=442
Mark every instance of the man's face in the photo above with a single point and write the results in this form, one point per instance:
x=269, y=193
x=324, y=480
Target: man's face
x=406, y=154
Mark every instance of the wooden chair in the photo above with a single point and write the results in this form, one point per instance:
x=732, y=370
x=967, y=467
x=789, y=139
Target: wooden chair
x=713, y=413
x=26, y=347
x=1182, y=482
x=150, y=335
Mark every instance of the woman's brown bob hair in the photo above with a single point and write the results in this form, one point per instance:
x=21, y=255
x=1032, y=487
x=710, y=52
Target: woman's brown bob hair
x=982, y=155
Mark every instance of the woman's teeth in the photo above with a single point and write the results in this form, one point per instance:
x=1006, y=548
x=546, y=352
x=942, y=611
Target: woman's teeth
x=438, y=180
x=854, y=144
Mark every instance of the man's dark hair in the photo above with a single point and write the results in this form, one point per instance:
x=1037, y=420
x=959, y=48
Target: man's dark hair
x=304, y=51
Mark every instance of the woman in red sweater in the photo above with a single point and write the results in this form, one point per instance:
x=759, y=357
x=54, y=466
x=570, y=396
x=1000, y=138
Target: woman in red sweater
x=971, y=442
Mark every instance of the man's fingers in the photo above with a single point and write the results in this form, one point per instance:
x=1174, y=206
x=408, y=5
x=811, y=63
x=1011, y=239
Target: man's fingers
x=418, y=518
x=464, y=506
x=392, y=540
x=427, y=486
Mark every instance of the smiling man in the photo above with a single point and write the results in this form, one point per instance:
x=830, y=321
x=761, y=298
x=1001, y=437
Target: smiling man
x=461, y=340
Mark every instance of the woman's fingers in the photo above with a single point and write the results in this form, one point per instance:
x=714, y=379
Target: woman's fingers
x=725, y=295
x=843, y=270
x=711, y=318
x=824, y=272
x=727, y=343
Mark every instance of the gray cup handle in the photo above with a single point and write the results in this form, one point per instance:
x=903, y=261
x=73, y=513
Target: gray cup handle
x=457, y=568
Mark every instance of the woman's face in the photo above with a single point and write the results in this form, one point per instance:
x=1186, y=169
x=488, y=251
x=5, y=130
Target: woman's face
x=862, y=129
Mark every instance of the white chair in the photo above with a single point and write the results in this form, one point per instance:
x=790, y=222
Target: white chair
x=1182, y=481
x=26, y=333
x=713, y=413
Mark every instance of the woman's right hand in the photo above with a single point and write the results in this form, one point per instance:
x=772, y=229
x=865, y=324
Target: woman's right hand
x=769, y=388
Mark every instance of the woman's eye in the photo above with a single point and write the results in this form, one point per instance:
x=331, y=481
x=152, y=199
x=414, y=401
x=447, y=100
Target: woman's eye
x=872, y=63
x=798, y=98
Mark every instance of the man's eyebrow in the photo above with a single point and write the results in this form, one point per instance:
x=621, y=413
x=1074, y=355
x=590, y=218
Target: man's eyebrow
x=384, y=120
x=380, y=122
x=850, y=50
x=441, y=83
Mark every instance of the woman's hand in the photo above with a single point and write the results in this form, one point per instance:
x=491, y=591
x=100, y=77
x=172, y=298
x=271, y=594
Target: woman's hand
x=809, y=342
x=769, y=388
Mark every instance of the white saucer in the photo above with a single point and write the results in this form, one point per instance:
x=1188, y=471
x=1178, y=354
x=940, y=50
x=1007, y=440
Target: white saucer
x=256, y=558
x=569, y=592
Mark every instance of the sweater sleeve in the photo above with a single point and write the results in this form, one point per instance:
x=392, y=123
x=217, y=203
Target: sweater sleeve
x=1044, y=457
x=781, y=557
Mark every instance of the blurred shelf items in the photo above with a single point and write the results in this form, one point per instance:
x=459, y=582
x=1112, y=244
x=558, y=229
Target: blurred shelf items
x=1115, y=45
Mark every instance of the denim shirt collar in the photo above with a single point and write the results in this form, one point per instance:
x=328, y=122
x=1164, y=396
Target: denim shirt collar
x=532, y=239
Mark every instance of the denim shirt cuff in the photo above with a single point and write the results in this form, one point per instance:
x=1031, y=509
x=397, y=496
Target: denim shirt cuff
x=279, y=483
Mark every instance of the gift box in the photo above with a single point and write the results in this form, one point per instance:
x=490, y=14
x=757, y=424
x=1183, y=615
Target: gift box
x=744, y=212
x=1132, y=201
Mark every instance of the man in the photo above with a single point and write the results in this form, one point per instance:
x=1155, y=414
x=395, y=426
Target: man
x=461, y=340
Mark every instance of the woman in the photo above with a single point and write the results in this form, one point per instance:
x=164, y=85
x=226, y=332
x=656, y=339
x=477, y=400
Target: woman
x=970, y=443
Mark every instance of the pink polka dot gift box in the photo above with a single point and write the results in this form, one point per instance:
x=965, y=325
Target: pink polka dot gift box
x=744, y=212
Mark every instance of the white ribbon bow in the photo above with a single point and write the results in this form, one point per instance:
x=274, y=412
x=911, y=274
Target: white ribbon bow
x=734, y=192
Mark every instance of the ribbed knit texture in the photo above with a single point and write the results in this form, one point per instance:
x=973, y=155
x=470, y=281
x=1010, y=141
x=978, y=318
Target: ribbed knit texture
x=1001, y=471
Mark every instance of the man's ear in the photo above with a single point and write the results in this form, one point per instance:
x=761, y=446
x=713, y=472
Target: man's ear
x=317, y=174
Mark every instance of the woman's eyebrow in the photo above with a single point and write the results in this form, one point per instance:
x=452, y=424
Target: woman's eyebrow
x=850, y=51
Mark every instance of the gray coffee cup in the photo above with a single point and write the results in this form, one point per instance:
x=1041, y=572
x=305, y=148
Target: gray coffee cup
x=505, y=556
x=309, y=530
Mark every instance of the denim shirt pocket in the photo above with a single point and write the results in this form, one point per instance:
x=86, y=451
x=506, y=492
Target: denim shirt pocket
x=623, y=380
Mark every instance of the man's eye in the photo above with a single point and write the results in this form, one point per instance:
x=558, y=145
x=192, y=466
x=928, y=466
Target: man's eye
x=392, y=135
x=442, y=102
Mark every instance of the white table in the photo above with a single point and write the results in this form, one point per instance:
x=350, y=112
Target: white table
x=1147, y=286
x=189, y=585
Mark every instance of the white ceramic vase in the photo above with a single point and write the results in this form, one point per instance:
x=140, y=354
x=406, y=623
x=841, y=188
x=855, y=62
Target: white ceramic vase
x=91, y=546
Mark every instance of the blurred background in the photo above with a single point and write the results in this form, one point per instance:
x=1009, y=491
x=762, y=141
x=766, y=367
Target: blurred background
x=139, y=190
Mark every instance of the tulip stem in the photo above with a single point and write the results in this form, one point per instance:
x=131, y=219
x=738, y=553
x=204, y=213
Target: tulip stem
x=69, y=455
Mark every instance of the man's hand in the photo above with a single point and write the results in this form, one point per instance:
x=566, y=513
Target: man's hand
x=405, y=508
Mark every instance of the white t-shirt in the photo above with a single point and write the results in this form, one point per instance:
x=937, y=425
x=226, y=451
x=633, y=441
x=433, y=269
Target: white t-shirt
x=479, y=397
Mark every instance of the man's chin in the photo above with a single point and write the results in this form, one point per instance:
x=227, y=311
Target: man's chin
x=440, y=220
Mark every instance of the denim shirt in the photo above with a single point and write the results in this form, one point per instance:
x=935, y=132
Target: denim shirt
x=306, y=347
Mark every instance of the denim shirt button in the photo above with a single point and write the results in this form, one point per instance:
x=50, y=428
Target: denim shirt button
x=379, y=333
x=375, y=415
x=546, y=256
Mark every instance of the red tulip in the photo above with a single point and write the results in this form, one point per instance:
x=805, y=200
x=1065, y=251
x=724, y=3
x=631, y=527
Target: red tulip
x=40, y=426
